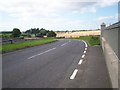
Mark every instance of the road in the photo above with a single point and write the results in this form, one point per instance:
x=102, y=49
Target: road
x=54, y=65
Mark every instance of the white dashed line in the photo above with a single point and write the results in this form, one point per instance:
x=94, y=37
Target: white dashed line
x=63, y=44
x=84, y=51
x=85, y=48
x=74, y=74
x=83, y=55
x=80, y=62
x=41, y=53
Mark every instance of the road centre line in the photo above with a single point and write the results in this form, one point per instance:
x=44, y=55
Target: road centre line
x=63, y=44
x=80, y=62
x=41, y=53
x=74, y=74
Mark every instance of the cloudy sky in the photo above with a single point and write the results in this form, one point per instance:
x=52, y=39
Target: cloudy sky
x=57, y=14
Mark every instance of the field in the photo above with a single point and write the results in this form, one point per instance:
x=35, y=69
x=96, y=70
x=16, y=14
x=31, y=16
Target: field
x=91, y=37
x=15, y=46
x=91, y=40
x=77, y=34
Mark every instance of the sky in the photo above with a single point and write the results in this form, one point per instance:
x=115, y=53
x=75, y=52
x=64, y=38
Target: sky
x=57, y=14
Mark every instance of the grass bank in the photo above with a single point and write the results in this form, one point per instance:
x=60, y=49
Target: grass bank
x=91, y=40
x=11, y=47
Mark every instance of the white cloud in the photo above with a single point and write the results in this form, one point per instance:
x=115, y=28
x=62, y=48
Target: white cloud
x=105, y=18
x=104, y=3
x=108, y=20
x=47, y=12
x=30, y=8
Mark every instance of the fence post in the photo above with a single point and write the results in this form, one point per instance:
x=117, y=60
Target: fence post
x=103, y=26
x=11, y=41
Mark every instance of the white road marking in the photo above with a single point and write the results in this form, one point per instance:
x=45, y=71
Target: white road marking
x=80, y=62
x=85, y=43
x=74, y=74
x=63, y=44
x=84, y=51
x=83, y=55
x=41, y=53
x=85, y=48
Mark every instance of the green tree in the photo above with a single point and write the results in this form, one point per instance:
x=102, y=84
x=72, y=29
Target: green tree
x=51, y=34
x=16, y=32
x=28, y=32
x=35, y=31
x=43, y=31
x=39, y=35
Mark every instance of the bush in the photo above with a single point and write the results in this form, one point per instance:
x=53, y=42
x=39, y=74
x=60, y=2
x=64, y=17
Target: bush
x=39, y=35
x=60, y=37
x=51, y=34
x=26, y=35
x=16, y=32
x=6, y=35
x=21, y=37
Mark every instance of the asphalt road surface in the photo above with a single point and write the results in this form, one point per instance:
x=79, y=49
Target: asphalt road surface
x=52, y=65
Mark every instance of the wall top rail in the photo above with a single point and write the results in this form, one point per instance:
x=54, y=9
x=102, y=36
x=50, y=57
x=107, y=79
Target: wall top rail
x=113, y=26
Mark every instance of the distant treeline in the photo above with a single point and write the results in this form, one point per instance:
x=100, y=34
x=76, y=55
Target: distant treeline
x=28, y=33
x=6, y=32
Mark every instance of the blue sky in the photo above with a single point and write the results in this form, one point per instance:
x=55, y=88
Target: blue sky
x=57, y=14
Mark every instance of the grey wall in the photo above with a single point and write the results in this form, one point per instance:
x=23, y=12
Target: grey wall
x=111, y=50
x=110, y=34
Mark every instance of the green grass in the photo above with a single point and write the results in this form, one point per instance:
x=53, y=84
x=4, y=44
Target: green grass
x=91, y=40
x=5, y=35
x=11, y=47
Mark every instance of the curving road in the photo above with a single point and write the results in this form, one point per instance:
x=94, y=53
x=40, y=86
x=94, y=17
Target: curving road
x=52, y=65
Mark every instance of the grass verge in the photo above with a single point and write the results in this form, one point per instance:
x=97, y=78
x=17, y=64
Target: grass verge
x=91, y=40
x=12, y=47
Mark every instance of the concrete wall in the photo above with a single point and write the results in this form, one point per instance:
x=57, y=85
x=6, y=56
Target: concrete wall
x=111, y=36
x=109, y=41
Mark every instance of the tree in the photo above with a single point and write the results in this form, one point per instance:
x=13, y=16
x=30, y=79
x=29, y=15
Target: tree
x=43, y=32
x=39, y=35
x=51, y=34
x=28, y=31
x=16, y=32
x=35, y=31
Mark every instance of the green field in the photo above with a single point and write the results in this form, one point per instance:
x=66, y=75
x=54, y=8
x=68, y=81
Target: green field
x=91, y=40
x=11, y=47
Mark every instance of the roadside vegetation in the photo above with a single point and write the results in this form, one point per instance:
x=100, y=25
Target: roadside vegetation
x=15, y=39
x=16, y=46
x=91, y=40
x=33, y=32
x=35, y=36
